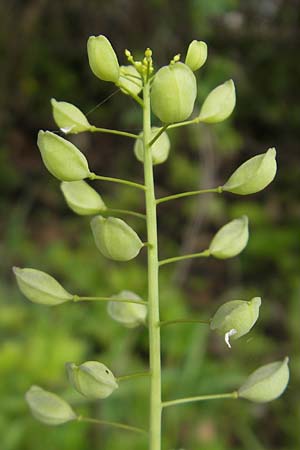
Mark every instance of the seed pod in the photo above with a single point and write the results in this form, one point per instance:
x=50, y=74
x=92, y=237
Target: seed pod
x=103, y=59
x=92, y=379
x=130, y=80
x=160, y=149
x=115, y=239
x=62, y=158
x=82, y=198
x=196, y=55
x=47, y=407
x=231, y=239
x=131, y=315
x=173, y=93
x=253, y=175
x=39, y=287
x=236, y=318
x=69, y=118
x=219, y=103
x=266, y=383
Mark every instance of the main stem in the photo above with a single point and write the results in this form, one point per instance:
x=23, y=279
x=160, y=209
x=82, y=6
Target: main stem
x=153, y=285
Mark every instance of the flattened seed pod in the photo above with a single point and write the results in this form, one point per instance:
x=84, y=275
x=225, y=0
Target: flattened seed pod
x=160, y=149
x=219, y=103
x=103, y=59
x=196, y=55
x=82, y=198
x=69, y=118
x=130, y=315
x=231, y=239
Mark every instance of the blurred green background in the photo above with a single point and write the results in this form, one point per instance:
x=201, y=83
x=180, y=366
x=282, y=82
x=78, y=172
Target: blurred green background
x=43, y=55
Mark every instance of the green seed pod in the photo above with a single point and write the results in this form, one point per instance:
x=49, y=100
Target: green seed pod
x=39, y=287
x=131, y=315
x=173, y=93
x=231, y=239
x=103, y=59
x=196, y=55
x=115, y=239
x=160, y=149
x=82, y=198
x=253, y=175
x=62, y=158
x=69, y=118
x=92, y=379
x=266, y=383
x=236, y=318
x=130, y=80
x=47, y=407
x=219, y=103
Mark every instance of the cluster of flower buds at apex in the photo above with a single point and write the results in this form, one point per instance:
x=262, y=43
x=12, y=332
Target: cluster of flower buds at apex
x=62, y=158
x=266, y=383
x=130, y=80
x=173, y=93
x=196, y=55
x=236, y=318
x=231, y=239
x=219, y=103
x=159, y=150
x=92, y=379
x=253, y=175
x=130, y=315
x=115, y=239
x=69, y=118
x=39, y=287
x=47, y=407
x=82, y=198
x=103, y=59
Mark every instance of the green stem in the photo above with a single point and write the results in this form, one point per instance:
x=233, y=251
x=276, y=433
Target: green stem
x=159, y=133
x=93, y=176
x=153, y=284
x=109, y=131
x=217, y=190
x=199, y=398
x=78, y=298
x=112, y=424
x=203, y=254
x=125, y=211
x=176, y=321
x=186, y=122
x=134, y=96
x=134, y=375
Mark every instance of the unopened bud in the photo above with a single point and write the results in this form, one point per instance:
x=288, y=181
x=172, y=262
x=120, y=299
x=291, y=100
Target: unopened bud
x=131, y=315
x=62, y=158
x=103, y=59
x=92, y=379
x=196, y=55
x=69, y=118
x=266, y=383
x=173, y=93
x=159, y=150
x=231, y=239
x=82, y=198
x=253, y=175
x=47, y=407
x=219, y=103
x=39, y=287
x=115, y=239
x=130, y=79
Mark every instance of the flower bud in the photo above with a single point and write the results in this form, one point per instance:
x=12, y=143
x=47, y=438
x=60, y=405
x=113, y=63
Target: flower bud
x=266, y=383
x=69, y=118
x=47, y=407
x=82, y=198
x=130, y=79
x=160, y=149
x=173, y=93
x=253, y=175
x=219, y=103
x=39, y=287
x=236, y=318
x=131, y=315
x=231, y=239
x=196, y=55
x=92, y=379
x=62, y=158
x=115, y=239
x=103, y=59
